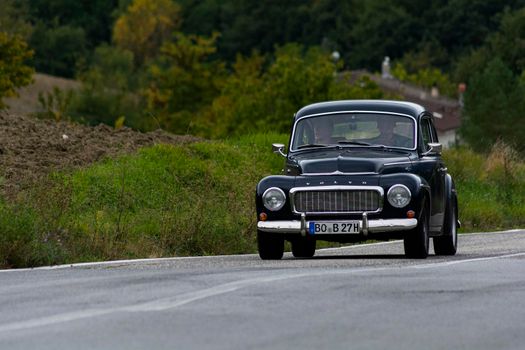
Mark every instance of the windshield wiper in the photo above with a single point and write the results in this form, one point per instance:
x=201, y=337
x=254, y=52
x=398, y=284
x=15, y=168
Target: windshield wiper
x=389, y=148
x=358, y=143
x=312, y=145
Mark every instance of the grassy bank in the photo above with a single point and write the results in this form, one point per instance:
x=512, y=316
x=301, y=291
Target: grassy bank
x=491, y=188
x=163, y=201
x=198, y=199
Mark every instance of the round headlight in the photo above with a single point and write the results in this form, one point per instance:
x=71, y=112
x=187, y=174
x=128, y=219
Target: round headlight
x=399, y=196
x=273, y=198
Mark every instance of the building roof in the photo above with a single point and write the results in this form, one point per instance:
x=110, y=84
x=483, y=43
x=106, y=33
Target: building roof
x=447, y=111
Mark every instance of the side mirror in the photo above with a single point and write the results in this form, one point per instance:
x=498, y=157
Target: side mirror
x=435, y=148
x=278, y=148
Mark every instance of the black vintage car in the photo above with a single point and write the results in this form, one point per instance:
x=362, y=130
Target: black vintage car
x=358, y=170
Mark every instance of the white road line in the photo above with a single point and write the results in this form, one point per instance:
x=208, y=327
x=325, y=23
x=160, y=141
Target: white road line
x=160, y=260
x=169, y=303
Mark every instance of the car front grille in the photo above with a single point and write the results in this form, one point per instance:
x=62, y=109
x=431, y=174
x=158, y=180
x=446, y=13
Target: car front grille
x=337, y=201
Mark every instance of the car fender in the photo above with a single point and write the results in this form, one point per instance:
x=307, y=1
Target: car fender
x=417, y=185
x=451, y=194
x=283, y=182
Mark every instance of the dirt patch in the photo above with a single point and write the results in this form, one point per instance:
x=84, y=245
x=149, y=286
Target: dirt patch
x=31, y=148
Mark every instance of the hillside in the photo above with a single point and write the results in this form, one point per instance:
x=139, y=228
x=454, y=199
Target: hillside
x=27, y=101
x=31, y=148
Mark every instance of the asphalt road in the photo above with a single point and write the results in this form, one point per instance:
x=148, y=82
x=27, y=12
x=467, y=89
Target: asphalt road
x=366, y=297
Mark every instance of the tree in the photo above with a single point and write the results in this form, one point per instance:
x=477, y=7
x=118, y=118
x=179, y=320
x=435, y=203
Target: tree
x=183, y=80
x=14, y=71
x=144, y=27
x=507, y=43
x=383, y=28
x=14, y=19
x=494, y=108
x=109, y=89
x=255, y=99
x=58, y=49
x=95, y=17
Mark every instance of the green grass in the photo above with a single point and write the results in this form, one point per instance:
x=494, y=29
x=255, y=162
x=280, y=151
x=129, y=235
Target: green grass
x=198, y=199
x=195, y=199
x=491, y=188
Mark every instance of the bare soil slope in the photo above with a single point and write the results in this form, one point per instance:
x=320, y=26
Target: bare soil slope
x=31, y=148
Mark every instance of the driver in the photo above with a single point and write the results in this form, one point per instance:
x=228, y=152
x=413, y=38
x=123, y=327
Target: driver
x=388, y=137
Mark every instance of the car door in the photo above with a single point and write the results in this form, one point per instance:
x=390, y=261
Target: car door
x=433, y=170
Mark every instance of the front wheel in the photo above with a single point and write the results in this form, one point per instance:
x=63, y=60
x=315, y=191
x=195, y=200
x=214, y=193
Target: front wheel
x=271, y=246
x=303, y=247
x=416, y=241
x=447, y=244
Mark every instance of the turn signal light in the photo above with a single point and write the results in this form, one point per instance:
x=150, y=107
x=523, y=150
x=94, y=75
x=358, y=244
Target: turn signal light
x=263, y=216
x=411, y=214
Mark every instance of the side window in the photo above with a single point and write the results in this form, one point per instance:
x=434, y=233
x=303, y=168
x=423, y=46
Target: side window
x=426, y=133
x=434, y=133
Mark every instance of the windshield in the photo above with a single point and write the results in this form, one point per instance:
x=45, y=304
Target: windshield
x=360, y=129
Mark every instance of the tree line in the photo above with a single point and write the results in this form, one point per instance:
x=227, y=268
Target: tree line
x=220, y=67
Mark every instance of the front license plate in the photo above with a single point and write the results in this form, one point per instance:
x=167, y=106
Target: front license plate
x=326, y=228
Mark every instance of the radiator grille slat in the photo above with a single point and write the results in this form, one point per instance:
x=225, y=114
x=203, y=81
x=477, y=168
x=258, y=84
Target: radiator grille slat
x=336, y=201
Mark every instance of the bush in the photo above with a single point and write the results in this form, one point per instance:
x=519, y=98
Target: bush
x=14, y=72
x=491, y=189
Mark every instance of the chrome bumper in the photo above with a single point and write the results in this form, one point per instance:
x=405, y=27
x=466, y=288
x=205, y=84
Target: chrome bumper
x=301, y=226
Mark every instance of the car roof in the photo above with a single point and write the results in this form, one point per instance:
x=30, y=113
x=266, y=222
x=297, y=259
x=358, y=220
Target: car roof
x=401, y=107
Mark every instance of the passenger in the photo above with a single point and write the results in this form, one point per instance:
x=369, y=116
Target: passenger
x=323, y=130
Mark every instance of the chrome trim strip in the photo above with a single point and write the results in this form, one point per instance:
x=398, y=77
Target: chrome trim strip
x=357, y=111
x=397, y=163
x=293, y=226
x=389, y=225
x=378, y=189
x=374, y=226
x=337, y=172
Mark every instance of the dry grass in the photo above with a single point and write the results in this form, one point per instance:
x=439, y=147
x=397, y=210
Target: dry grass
x=27, y=101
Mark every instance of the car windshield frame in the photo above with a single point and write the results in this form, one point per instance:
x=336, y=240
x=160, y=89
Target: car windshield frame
x=360, y=112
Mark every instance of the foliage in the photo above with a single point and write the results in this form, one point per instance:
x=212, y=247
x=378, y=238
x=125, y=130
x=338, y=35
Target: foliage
x=109, y=89
x=507, y=44
x=14, y=19
x=145, y=26
x=493, y=107
x=65, y=44
x=491, y=189
x=255, y=98
x=94, y=17
x=183, y=81
x=14, y=71
x=56, y=104
x=427, y=77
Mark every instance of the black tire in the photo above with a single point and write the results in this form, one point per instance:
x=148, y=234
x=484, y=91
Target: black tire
x=416, y=241
x=271, y=246
x=303, y=247
x=447, y=244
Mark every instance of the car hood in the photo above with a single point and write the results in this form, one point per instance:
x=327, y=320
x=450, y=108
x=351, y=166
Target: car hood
x=349, y=161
